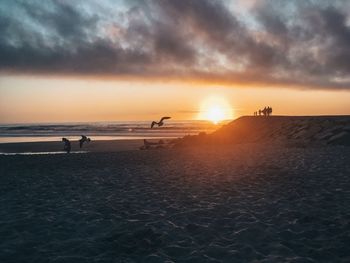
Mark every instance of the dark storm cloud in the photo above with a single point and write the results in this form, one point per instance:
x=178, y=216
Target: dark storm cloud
x=299, y=43
x=336, y=29
x=65, y=19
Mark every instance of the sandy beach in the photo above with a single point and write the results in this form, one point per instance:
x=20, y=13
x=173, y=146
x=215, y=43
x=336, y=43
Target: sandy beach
x=251, y=197
x=242, y=203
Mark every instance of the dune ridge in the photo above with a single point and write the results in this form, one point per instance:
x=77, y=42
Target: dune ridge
x=319, y=130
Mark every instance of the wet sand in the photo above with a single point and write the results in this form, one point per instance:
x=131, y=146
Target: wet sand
x=250, y=202
x=94, y=146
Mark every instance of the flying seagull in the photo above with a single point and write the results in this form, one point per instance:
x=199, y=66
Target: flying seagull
x=83, y=139
x=160, y=123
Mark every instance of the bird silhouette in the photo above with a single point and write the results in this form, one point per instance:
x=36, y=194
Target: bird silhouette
x=83, y=139
x=161, y=122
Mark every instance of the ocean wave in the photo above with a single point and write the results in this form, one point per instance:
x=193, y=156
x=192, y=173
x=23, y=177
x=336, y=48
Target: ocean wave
x=125, y=129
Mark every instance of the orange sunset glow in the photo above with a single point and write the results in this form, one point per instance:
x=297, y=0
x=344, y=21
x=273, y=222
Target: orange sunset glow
x=55, y=99
x=88, y=64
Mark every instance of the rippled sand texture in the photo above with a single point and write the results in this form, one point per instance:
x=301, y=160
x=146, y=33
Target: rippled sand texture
x=246, y=203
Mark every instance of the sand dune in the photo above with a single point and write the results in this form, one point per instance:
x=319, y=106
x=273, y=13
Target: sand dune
x=321, y=130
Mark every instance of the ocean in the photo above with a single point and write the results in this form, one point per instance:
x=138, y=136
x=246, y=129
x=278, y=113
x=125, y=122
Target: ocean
x=119, y=130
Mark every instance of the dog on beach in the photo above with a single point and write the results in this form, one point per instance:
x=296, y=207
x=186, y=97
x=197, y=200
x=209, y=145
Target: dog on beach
x=67, y=145
x=83, y=139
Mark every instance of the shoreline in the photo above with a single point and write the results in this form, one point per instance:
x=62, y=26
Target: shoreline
x=57, y=146
x=55, y=138
x=295, y=130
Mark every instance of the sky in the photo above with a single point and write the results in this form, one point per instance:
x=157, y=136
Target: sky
x=63, y=61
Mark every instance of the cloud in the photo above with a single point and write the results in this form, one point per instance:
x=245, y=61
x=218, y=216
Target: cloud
x=271, y=43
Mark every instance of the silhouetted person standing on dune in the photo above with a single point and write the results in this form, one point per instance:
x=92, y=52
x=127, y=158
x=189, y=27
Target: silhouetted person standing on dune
x=67, y=146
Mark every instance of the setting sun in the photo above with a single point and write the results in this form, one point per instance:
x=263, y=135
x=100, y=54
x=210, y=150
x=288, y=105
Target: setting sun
x=215, y=114
x=215, y=109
